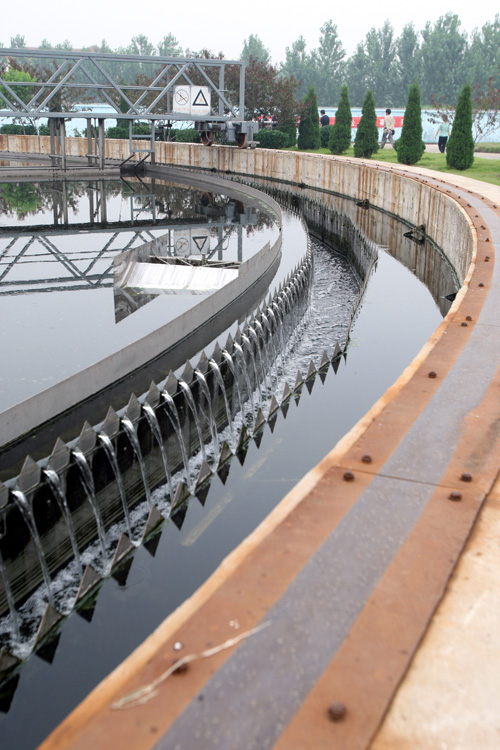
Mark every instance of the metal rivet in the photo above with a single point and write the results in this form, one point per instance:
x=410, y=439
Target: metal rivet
x=455, y=495
x=486, y=260
x=487, y=239
x=468, y=317
x=348, y=476
x=336, y=711
x=481, y=283
x=464, y=324
x=367, y=459
x=432, y=374
x=466, y=477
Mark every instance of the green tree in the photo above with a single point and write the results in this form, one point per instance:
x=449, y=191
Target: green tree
x=380, y=70
x=18, y=41
x=340, y=133
x=19, y=79
x=309, y=135
x=254, y=47
x=445, y=61
x=300, y=65
x=460, y=147
x=169, y=47
x=366, y=142
x=407, y=63
x=328, y=65
x=485, y=54
x=268, y=93
x=410, y=146
x=140, y=45
x=357, y=75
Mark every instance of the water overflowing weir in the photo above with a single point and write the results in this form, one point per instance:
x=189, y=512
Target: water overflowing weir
x=175, y=436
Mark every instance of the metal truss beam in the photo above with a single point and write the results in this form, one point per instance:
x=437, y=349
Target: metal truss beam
x=99, y=77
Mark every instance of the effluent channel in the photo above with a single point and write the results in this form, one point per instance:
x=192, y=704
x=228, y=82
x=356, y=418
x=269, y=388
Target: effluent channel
x=185, y=467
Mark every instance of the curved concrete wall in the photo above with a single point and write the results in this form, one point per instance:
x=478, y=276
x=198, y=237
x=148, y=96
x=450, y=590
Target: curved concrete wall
x=416, y=202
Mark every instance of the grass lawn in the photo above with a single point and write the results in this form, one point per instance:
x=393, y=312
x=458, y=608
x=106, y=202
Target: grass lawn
x=487, y=170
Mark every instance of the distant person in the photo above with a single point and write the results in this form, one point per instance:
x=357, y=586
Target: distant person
x=443, y=132
x=389, y=123
x=324, y=119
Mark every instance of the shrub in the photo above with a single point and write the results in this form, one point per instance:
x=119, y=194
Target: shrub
x=115, y=132
x=460, y=146
x=291, y=131
x=309, y=137
x=12, y=129
x=324, y=133
x=268, y=138
x=410, y=146
x=366, y=142
x=340, y=135
x=186, y=135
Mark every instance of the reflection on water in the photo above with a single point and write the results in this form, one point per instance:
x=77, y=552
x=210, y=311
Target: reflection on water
x=58, y=242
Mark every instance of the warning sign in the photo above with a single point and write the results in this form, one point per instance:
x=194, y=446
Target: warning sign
x=200, y=243
x=192, y=100
x=191, y=242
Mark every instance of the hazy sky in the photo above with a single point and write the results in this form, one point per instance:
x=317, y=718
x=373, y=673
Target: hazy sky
x=223, y=26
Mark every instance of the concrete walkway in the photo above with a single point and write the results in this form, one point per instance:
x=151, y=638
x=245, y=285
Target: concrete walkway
x=315, y=624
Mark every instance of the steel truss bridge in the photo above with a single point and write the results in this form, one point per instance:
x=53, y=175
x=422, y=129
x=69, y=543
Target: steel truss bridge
x=158, y=91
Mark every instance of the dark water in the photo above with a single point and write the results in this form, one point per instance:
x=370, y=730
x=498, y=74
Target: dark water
x=396, y=318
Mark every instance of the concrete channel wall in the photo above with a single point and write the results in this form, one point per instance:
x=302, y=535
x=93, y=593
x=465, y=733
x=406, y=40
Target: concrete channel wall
x=418, y=203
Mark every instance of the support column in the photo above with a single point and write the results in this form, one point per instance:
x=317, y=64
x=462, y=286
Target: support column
x=102, y=155
x=62, y=131
x=152, y=133
x=53, y=141
x=90, y=159
x=104, y=212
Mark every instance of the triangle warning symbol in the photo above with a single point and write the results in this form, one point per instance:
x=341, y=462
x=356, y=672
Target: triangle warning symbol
x=200, y=100
x=200, y=241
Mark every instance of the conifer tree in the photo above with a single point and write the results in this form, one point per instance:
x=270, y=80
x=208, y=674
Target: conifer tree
x=410, y=146
x=309, y=135
x=460, y=147
x=340, y=133
x=366, y=142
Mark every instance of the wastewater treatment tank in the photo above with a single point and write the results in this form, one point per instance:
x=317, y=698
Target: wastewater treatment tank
x=207, y=447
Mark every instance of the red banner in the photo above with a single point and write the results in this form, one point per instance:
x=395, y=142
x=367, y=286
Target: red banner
x=380, y=121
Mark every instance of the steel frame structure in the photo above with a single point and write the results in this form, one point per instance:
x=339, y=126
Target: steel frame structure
x=170, y=71
x=66, y=73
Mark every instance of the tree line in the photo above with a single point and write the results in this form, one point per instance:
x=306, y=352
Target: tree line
x=441, y=57
x=409, y=147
